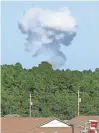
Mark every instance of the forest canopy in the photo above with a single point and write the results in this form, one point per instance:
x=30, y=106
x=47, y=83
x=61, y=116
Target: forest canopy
x=54, y=92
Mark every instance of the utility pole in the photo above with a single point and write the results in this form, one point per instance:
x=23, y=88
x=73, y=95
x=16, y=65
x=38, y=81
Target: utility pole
x=78, y=102
x=30, y=104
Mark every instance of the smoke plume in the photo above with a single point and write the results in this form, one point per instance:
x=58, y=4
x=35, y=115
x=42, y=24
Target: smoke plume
x=46, y=31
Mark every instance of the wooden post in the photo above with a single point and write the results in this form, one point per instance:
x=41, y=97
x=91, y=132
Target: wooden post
x=78, y=102
x=30, y=104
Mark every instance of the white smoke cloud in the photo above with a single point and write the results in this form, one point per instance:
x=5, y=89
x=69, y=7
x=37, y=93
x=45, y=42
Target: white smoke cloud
x=47, y=30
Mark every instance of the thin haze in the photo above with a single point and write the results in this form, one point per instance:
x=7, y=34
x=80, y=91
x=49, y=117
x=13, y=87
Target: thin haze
x=46, y=31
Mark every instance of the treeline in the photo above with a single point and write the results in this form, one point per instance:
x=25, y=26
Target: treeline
x=54, y=92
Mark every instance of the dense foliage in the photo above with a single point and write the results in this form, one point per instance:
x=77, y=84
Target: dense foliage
x=54, y=92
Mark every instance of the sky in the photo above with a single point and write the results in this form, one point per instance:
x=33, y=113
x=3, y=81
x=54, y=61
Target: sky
x=82, y=54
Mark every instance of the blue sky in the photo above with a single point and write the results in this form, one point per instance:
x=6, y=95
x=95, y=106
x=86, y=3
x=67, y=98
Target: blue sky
x=83, y=53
